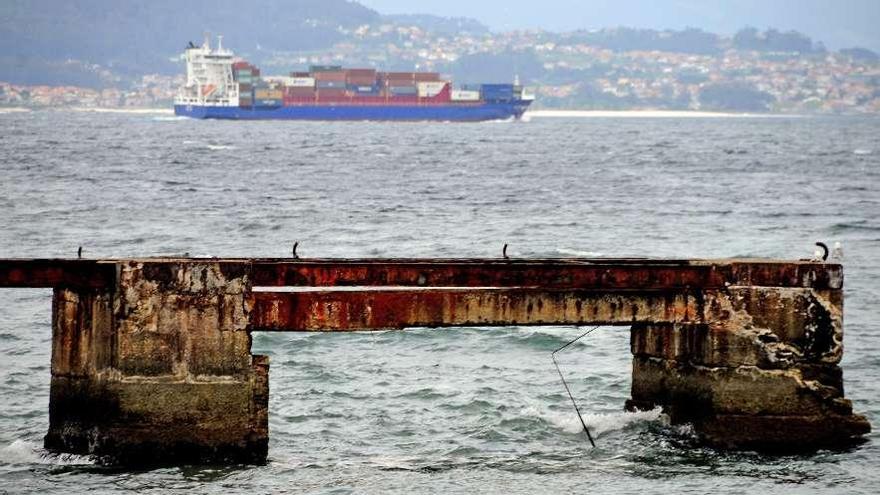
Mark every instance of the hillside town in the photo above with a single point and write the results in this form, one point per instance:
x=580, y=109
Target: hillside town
x=567, y=70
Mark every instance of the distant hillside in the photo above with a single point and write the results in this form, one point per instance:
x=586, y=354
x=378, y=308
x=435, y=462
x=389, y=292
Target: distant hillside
x=443, y=25
x=626, y=39
x=142, y=36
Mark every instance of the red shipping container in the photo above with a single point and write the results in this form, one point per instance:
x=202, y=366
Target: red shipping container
x=330, y=76
x=427, y=76
x=241, y=65
x=399, y=75
x=360, y=81
x=362, y=72
x=299, y=92
x=331, y=92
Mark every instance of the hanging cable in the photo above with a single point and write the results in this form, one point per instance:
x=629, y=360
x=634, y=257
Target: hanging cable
x=568, y=390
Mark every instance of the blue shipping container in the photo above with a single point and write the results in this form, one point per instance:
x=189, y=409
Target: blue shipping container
x=497, y=92
x=331, y=84
x=362, y=88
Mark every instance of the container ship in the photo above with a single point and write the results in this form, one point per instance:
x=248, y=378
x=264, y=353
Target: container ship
x=221, y=86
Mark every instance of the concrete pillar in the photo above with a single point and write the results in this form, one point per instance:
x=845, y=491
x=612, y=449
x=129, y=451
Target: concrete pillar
x=159, y=368
x=758, y=371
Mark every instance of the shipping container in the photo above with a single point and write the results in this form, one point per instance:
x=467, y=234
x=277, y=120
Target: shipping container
x=360, y=81
x=325, y=68
x=331, y=93
x=268, y=94
x=465, y=95
x=301, y=90
x=430, y=89
x=278, y=80
x=330, y=84
x=361, y=77
x=268, y=102
x=426, y=76
x=399, y=75
x=497, y=92
x=363, y=89
x=330, y=76
x=301, y=82
x=300, y=74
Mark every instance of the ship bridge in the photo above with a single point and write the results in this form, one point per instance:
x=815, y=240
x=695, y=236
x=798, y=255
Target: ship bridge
x=209, y=77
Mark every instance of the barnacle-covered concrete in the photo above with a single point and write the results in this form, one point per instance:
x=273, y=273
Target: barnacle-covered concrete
x=760, y=371
x=159, y=368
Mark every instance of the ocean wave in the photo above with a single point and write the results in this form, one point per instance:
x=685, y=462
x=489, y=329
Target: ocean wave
x=23, y=452
x=859, y=225
x=209, y=146
x=598, y=423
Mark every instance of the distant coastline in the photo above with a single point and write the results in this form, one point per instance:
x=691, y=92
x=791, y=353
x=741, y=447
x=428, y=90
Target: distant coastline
x=531, y=114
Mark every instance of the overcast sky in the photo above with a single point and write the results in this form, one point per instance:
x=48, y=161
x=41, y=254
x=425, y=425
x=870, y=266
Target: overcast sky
x=839, y=23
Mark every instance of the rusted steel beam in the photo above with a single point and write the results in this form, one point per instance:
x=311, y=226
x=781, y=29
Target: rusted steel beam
x=599, y=274
x=560, y=274
x=393, y=309
x=56, y=273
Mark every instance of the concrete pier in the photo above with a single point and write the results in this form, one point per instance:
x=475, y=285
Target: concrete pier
x=151, y=358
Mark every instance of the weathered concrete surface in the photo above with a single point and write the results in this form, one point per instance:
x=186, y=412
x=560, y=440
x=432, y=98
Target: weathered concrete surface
x=160, y=368
x=151, y=358
x=761, y=371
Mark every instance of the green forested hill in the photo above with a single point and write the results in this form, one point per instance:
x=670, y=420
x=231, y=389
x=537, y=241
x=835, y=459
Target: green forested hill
x=143, y=35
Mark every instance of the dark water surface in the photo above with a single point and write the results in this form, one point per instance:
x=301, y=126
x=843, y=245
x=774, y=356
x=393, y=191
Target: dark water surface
x=465, y=410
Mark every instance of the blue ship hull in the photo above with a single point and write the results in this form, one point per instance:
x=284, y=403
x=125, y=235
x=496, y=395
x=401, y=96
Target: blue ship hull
x=451, y=112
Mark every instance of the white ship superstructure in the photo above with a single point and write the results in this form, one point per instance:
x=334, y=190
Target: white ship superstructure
x=209, y=77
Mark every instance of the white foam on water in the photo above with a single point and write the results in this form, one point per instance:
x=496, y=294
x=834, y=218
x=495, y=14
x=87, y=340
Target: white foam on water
x=14, y=110
x=579, y=253
x=24, y=452
x=598, y=423
x=131, y=111
x=394, y=462
x=862, y=151
x=175, y=118
x=563, y=332
x=209, y=146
